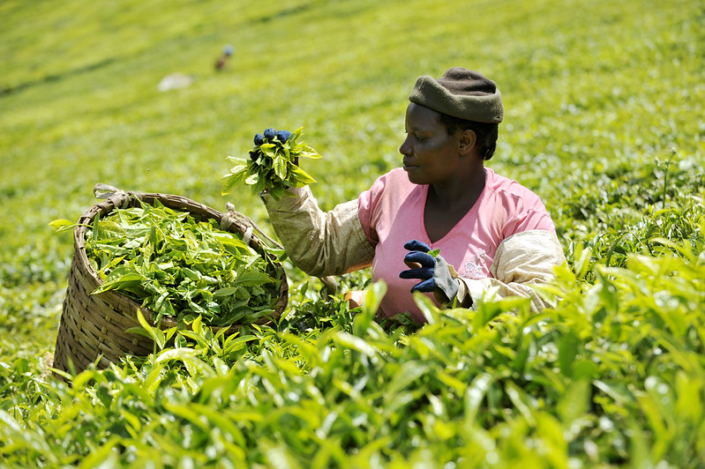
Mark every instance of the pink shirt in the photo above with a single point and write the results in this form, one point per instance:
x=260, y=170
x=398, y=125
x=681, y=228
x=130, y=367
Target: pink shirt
x=392, y=213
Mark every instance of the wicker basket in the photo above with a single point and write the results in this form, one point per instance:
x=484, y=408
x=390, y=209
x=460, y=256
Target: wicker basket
x=93, y=327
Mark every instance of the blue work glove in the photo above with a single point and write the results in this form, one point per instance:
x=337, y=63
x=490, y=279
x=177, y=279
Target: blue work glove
x=269, y=136
x=434, y=272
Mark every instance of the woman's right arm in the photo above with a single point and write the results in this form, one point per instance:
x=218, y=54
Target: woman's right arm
x=319, y=243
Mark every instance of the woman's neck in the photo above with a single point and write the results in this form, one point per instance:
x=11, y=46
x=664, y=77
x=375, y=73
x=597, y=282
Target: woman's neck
x=460, y=192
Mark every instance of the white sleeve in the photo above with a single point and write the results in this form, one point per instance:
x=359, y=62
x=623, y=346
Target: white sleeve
x=521, y=260
x=320, y=243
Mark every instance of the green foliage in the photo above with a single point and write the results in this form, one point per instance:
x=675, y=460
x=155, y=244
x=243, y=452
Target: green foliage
x=585, y=382
x=597, y=95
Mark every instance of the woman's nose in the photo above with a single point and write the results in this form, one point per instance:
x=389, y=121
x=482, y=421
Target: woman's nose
x=405, y=148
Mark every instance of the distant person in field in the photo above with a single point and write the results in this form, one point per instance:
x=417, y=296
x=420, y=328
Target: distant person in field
x=495, y=236
x=224, y=57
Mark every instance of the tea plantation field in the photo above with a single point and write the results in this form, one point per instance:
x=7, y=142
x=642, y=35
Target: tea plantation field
x=604, y=121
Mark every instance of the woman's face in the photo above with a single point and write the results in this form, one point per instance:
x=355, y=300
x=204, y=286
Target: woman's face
x=431, y=156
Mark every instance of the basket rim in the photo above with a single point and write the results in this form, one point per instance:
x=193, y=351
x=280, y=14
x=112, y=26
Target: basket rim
x=175, y=202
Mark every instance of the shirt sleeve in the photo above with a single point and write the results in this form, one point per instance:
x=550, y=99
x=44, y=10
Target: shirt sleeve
x=319, y=243
x=525, y=212
x=522, y=260
x=366, y=203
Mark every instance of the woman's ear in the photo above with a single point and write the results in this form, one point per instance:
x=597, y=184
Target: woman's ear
x=468, y=139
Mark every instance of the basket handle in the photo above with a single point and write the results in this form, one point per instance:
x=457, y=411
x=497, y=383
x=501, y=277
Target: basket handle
x=106, y=191
x=232, y=216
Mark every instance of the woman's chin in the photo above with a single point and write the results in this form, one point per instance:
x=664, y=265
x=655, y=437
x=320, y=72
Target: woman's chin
x=412, y=172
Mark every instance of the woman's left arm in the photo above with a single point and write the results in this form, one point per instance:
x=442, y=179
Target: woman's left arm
x=522, y=260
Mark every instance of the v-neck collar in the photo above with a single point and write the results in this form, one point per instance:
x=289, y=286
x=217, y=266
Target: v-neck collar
x=468, y=214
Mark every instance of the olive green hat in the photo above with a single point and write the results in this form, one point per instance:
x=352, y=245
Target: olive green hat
x=460, y=93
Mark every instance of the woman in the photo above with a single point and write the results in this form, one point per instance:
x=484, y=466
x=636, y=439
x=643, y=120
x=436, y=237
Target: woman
x=494, y=235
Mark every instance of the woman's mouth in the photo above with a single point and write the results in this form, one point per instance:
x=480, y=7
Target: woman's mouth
x=408, y=165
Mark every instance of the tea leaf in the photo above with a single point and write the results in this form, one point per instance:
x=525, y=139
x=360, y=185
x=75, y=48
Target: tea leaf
x=62, y=225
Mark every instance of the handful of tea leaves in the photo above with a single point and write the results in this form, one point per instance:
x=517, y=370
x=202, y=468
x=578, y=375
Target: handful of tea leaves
x=179, y=267
x=273, y=164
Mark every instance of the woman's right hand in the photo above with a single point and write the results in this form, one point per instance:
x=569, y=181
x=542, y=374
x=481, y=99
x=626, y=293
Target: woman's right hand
x=273, y=165
x=270, y=135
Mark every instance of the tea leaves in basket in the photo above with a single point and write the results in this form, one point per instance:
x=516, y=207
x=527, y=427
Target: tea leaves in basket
x=179, y=267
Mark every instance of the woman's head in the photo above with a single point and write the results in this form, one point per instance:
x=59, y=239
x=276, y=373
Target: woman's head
x=465, y=100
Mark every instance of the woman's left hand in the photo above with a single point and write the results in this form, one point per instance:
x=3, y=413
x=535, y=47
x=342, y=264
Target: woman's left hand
x=435, y=273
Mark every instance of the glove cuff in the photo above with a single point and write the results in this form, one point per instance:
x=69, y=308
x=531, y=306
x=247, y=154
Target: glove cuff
x=447, y=295
x=447, y=286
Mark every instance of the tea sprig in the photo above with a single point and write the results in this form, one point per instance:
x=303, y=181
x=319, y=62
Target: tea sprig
x=273, y=164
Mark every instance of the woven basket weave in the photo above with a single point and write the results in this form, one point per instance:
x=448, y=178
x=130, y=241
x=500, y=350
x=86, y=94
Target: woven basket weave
x=93, y=327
